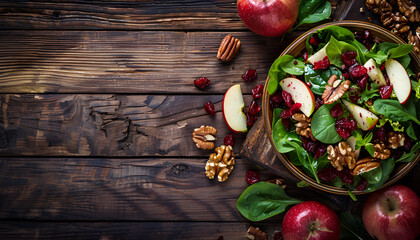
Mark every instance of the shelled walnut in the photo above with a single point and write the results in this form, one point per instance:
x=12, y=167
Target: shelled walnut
x=381, y=151
x=228, y=49
x=204, y=137
x=365, y=165
x=415, y=40
x=334, y=92
x=341, y=155
x=220, y=163
x=278, y=181
x=254, y=233
x=395, y=140
x=378, y=6
x=408, y=8
x=303, y=126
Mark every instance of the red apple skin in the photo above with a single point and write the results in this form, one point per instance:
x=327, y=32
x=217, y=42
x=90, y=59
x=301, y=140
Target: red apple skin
x=270, y=18
x=403, y=222
x=300, y=218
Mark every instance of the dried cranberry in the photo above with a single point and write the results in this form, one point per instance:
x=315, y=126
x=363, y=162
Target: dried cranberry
x=344, y=133
x=314, y=40
x=336, y=111
x=321, y=150
x=358, y=71
x=397, y=153
x=296, y=107
x=359, y=36
x=254, y=108
x=229, y=139
x=348, y=124
x=287, y=123
x=257, y=91
x=309, y=145
x=349, y=58
x=382, y=67
x=309, y=84
x=388, y=82
x=362, y=82
x=346, y=176
x=278, y=236
x=346, y=75
x=201, y=83
x=250, y=119
x=354, y=98
x=209, y=107
x=250, y=75
x=323, y=64
x=275, y=100
x=407, y=144
x=380, y=133
x=287, y=113
x=305, y=55
x=251, y=177
x=287, y=97
x=327, y=174
x=385, y=91
x=366, y=34
x=362, y=185
x=318, y=103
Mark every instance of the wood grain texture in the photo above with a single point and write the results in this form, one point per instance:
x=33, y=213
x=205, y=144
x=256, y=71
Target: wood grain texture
x=129, y=62
x=123, y=14
x=149, y=189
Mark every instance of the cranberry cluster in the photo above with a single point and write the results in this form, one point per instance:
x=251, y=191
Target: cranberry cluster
x=329, y=173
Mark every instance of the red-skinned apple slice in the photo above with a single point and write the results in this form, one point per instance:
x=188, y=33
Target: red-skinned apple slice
x=399, y=79
x=233, y=104
x=301, y=93
x=318, y=56
x=364, y=118
x=375, y=73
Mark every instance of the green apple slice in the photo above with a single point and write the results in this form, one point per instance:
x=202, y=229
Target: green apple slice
x=318, y=56
x=364, y=118
x=375, y=73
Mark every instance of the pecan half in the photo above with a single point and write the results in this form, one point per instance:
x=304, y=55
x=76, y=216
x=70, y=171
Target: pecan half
x=408, y=8
x=415, y=40
x=334, y=92
x=228, y=49
x=365, y=165
x=204, y=137
x=278, y=181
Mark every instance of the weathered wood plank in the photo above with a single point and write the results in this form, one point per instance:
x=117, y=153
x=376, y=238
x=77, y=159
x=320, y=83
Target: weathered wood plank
x=150, y=189
x=131, y=230
x=128, y=62
x=107, y=125
x=120, y=14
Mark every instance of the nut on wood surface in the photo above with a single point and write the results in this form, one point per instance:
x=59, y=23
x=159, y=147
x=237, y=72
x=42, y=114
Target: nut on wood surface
x=204, y=137
x=228, y=49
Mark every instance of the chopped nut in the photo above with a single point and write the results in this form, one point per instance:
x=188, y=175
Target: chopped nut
x=278, y=181
x=303, y=126
x=228, y=49
x=204, y=137
x=415, y=41
x=361, y=10
x=400, y=26
x=332, y=94
x=341, y=155
x=408, y=8
x=395, y=140
x=381, y=151
x=254, y=233
x=378, y=6
x=365, y=165
x=220, y=163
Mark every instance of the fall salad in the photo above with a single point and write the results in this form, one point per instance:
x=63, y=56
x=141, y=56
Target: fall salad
x=346, y=111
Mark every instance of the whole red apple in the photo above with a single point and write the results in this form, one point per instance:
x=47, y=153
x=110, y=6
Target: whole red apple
x=311, y=221
x=268, y=18
x=392, y=213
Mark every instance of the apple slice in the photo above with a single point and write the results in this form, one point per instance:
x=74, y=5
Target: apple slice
x=233, y=104
x=375, y=73
x=318, y=56
x=351, y=141
x=301, y=93
x=399, y=79
x=364, y=118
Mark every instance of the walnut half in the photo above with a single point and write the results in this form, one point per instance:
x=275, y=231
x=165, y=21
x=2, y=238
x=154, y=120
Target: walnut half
x=341, y=155
x=204, y=137
x=220, y=163
x=303, y=126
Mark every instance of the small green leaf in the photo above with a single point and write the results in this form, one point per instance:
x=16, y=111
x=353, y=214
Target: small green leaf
x=302, y=184
x=323, y=125
x=351, y=194
x=335, y=48
x=320, y=13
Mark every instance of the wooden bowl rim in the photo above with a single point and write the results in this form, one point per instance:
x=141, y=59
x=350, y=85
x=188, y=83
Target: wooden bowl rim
x=268, y=117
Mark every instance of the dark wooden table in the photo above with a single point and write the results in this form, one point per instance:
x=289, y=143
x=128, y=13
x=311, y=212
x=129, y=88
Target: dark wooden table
x=97, y=110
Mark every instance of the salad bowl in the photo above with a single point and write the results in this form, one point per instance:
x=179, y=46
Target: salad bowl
x=295, y=49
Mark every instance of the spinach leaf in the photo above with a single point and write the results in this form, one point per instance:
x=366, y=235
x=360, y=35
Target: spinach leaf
x=282, y=65
x=373, y=176
x=339, y=33
x=292, y=68
x=311, y=12
x=400, y=51
x=282, y=138
x=408, y=157
x=262, y=200
x=323, y=125
x=393, y=110
x=389, y=50
x=387, y=166
x=335, y=48
x=308, y=161
x=410, y=132
x=318, y=78
x=379, y=56
x=352, y=228
x=276, y=117
x=361, y=50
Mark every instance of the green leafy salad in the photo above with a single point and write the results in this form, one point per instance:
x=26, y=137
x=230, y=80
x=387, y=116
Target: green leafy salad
x=346, y=111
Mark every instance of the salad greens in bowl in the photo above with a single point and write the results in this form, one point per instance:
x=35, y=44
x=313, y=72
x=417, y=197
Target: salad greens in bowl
x=341, y=106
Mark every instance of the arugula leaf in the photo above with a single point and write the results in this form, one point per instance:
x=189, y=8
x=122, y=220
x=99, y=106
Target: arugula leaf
x=364, y=141
x=408, y=157
x=319, y=78
x=400, y=51
x=410, y=132
x=282, y=138
x=352, y=228
x=370, y=93
x=312, y=11
x=393, y=110
x=335, y=48
x=323, y=125
x=280, y=67
x=262, y=200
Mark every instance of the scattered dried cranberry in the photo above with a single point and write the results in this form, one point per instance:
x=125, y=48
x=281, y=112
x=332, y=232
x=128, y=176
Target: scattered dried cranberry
x=257, y=91
x=397, y=153
x=349, y=58
x=407, y=143
x=346, y=176
x=358, y=71
x=344, y=133
x=278, y=236
x=296, y=107
x=251, y=177
x=209, y=107
x=201, y=83
x=250, y=75
x=346, y=123
x=354, y=98
x=336, y=111
x=346, y=75
x=305, y=55
x=382, y=67
x=327, y=174
x=388, y=82
x=254, y=108
x=287, y=97
x=287, y=113
x=385, y=91
x=275, y=100
x=366, y=34
x=323, y=64
x=359, y=36
x=230, y=139
x=287, y=123
x=362, y=185
x=318, y=103
x=321, y=150
x=362, y=82
x=380, y=134
x=314, y=40
x=250, y=119
x=309, y=145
